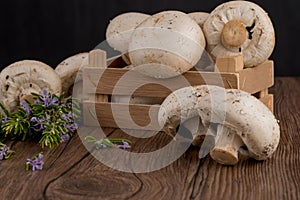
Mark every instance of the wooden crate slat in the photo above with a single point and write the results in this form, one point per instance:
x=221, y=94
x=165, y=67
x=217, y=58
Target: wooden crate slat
x=258, y=78
x=110, y=77
x=104, y=114
x=139, y=114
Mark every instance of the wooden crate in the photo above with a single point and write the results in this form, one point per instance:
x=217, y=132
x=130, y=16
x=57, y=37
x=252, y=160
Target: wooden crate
x=230, y=74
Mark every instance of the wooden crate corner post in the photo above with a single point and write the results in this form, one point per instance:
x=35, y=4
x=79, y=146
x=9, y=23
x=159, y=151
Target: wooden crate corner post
x=97, y=59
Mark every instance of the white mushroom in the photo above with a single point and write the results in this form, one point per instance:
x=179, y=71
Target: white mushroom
x=240, y=27
x=244, y=124
x=119, y=30
x=20, y=79
x=199, y=17
x=69, y=72
x=166, y=44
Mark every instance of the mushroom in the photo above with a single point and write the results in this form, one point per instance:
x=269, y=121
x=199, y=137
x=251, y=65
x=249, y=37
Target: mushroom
x=166, y=44
x=68, y=72
x=119, y=30
x=244, y=124
x=240, y=27
x=199, y=17
x=19, y=80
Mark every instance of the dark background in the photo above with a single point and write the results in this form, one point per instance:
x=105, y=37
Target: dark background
x=52, y=30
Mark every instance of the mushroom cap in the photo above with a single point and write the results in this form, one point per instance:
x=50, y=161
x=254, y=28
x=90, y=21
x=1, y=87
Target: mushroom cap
x=120, y=28
x=68, y=71
x=199, y=17
x=236, y=110
x=259, y=42
x=24, y=77
x=166, y=44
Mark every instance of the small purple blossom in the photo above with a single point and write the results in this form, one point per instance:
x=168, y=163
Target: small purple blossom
x=36, y=163
x=4, y=119
x=71, y=127
x=67, y=117
x=125, y=145
x=37, y=124
x=47, y=99
x=25, y=106
x=3, y=152
x=64, y=137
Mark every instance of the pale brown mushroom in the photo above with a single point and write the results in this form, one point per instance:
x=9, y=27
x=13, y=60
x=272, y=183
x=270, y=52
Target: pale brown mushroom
x=245, y=125
x=70, y=74
x=119, y=30
x=20, y=79
x=240, y=28
x=199, y=17
x=166, y=44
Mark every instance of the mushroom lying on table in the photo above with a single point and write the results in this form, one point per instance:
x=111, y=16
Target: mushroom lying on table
x=244, y=124
x=69, y=72
x=166, y=44
x=119, y=31
x=240, y=27
x=22, y=78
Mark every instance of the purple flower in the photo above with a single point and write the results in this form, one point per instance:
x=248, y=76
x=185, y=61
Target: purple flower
x=25, y=106
x=37, y=124
x=67, y=117
x=36, y=163
x=64, y=137
x=71, y=127
x=47, y=99
x=125, y=145
x=3, y=152
x=4, y=119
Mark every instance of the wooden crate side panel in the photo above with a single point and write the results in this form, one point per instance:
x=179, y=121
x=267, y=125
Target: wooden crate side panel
x=149, y=87
x=141, y=115
x=258, y=78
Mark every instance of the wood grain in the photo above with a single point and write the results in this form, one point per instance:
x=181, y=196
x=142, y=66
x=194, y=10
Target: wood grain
x=124, y=81
x=72, y=173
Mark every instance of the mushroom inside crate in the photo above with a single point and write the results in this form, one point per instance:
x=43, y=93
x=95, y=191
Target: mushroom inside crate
x=245, y=126
x=119, y=31
x=164, y=45
x=19, y=80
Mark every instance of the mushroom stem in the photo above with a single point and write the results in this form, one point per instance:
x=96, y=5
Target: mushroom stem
x=226, y=147
x=234, y=33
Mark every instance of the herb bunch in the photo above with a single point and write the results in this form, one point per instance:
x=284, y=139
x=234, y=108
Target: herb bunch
x=49, y=119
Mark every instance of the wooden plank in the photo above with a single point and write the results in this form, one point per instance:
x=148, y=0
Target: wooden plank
x=147, y=86
x=257, y=78
x=133, y=117
x=229, y=64
x=263, y=93
x=141, y=117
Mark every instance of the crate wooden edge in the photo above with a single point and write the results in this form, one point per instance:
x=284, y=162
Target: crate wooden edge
x=251, y=80
x=245, y=79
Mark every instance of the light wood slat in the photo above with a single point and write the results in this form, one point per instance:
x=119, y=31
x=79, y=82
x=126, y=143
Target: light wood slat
x=155, y=88
x=257, y=78
x=121, y=116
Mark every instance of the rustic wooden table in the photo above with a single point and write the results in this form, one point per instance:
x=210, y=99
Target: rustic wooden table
x=70, y=172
